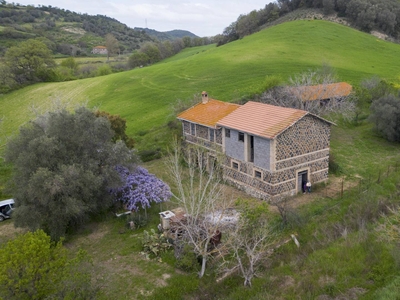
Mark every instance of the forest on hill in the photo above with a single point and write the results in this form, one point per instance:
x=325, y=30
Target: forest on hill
x=365, y=15
x=64, y=30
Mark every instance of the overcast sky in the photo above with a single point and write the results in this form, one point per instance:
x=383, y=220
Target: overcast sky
x=201, y=17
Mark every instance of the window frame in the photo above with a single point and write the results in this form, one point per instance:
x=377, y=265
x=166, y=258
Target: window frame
x=241, y=136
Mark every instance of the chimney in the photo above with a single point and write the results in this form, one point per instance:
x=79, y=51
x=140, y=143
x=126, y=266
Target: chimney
x=204, y=97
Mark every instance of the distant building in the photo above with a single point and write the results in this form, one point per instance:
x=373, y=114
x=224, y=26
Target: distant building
x=268, y=150
x=322, y=92
x=99, y=50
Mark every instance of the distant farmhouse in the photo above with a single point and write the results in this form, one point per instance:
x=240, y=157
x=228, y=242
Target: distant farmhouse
x=322, y=92
x=269, y=150
x=99, y=50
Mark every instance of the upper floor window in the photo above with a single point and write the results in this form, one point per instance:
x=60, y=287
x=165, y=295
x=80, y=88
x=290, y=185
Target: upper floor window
x=212, y=135
x=192, y=129
x=241, y=137
x=227, y=133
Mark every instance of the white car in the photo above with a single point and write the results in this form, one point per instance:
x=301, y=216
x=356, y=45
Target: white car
x=6, y=208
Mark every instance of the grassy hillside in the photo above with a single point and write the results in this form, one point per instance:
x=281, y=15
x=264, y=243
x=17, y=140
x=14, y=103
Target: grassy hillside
x=238, y=69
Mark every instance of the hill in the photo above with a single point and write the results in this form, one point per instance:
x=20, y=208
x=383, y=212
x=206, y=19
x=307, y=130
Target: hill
x=167, y=35
x=233, y=71
x=67, y=32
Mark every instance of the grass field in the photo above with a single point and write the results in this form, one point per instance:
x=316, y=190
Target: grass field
x=233, y=71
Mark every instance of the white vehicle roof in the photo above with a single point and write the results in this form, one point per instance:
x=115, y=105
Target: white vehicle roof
x=5, y=202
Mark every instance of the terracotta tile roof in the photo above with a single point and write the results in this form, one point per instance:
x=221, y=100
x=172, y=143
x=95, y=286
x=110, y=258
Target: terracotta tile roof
x=262, y=119
x=322, y=91
x=100, y=47
x=208, y=114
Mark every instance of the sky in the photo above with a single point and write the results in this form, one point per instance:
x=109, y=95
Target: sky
x=201, y=17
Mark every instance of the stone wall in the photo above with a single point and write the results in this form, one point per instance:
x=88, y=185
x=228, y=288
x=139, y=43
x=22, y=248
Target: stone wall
x=308, y=135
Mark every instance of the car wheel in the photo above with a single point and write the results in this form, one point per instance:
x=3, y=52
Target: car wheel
x=1, y=218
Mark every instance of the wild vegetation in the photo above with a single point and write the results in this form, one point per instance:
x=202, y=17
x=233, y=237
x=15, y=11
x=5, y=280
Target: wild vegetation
x=365, y=15
x=341, y=253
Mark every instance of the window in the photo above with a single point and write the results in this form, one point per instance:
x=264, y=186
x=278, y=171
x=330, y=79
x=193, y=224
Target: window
x=212, y=134
x=257, y=174
x=192, y=129
x=241, y=137
x=235, y=165
x=227, y=133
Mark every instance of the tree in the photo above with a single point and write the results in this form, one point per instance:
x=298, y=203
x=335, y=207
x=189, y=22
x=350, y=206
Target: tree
x=140, y=188
x=152, y=51
x=252, y=240
x=34, y=267
x=118, y=125
x=30, y=61
x=70, y=63
x=385, y=113
x=111, y=45
x=64, y=167
x=138, y=59
x=202, y=197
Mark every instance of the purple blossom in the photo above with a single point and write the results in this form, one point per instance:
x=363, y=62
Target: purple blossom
x=140, y=188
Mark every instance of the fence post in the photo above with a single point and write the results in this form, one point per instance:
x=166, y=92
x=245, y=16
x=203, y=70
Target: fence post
x=341, y=191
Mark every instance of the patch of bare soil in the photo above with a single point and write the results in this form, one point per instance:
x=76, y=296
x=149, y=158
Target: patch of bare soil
x=74, y=30
x=331, y=189
x=8, y=231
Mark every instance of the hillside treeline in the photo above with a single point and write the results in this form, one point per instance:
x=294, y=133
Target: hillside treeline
x=366, y=15
x=44, y=18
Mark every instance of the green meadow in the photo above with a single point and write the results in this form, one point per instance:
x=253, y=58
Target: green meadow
x=234, y=71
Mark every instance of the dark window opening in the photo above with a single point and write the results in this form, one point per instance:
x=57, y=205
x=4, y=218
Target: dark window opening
x=192, y=129
x=257, y=174
x=227, y=133
x=241, y=137
x=212, y=135
x=235, y=165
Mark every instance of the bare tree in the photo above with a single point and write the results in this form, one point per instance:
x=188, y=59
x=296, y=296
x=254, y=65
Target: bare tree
x=111, y=45
x=201, y=195
x=252, y=241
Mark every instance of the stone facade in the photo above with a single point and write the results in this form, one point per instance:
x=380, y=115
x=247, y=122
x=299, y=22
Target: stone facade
x=277, y=165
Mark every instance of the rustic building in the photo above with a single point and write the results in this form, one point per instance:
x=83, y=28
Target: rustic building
x=99, y=50
x=322, y=92
x=269, y=150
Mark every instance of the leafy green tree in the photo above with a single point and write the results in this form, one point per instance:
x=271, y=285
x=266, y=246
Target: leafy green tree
x=30, y=61
x=152, y=51
x=138, y=59
x=118, y=125
x=385, y=113
x=34, y=267
x=64, y=168
x=70, y=63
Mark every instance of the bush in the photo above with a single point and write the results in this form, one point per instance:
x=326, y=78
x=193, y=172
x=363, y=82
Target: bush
x=385, y=113
x=155, y=243
x=103, y=70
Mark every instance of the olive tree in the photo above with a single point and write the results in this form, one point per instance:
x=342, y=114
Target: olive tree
x=64, y=166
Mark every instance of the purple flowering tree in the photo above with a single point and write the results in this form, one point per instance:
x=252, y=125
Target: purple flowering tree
x=140, y=188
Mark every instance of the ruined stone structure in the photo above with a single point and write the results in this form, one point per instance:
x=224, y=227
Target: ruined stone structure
x=268, y=150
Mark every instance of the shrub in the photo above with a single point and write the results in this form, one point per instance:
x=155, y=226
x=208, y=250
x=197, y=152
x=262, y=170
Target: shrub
x=155, y=243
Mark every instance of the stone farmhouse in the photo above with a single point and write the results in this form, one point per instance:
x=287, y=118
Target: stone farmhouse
x=322, y=92
x=268, y=151
x=99, y=50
